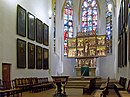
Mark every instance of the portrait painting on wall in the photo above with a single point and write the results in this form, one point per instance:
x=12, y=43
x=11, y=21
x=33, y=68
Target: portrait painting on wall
x=38, y=57
x=45, y=58
x=21, y=53
x=31, y=56
x=45, y=34
x=21, y=21
x=31, y=26
x=39, y=30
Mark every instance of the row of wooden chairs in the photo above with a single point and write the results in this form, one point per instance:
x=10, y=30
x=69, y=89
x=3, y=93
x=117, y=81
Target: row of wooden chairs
x=20, y=85
x=33, y=84
x=8, y=91
x=11, y=93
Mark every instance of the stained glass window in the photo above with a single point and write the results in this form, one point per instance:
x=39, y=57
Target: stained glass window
x=54, y=22
x=68, y=23
x=89, y=17
x=109, y=26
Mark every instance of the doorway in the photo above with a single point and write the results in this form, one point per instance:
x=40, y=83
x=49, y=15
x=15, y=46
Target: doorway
x=6, y=75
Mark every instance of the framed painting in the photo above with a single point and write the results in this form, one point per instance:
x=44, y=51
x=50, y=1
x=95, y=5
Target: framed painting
x=31, y=26
x=121, y=13
x=119, y=26
x=119, y=53
x=39, y=30
x=126, y=11
x=121, y=65
x=46, y=34
x=124, y=49
x=38, y=57
x=31, y=56
x=129, y=36
x=45, y=58
x=21, y=53
x=21, y=21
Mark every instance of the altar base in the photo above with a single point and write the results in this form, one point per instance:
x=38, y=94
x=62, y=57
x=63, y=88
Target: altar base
x=92, y=71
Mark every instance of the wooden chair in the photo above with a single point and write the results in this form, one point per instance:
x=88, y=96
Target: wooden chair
x=1, y=85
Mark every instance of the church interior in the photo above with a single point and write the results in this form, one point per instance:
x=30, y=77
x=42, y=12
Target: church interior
x=60, y=48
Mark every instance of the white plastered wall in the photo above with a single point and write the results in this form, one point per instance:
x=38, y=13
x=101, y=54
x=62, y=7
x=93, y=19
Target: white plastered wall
x=8, y=36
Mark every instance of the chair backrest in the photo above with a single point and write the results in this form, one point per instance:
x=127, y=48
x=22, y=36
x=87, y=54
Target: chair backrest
x=92, y=84
x=103, y=94
x=122, y=81
x=108, y=79
x=13, y=84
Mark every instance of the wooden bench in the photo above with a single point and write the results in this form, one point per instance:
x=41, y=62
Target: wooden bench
x=121, y=85
x=103, y=91
x=81, y=86
x=89, y=88
x=103, y=85
x=100, y=93
x=125, y=93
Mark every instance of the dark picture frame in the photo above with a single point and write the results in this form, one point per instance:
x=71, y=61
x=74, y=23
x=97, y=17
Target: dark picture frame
x=129, y=36
x=31, y=56
x=45, y=58
x=119, y=25
x=121, y=13
x=21, y=53
x=121, y=47
x=39, y=31
x=126, y=11
x=45, y=34
x=119, y=53
x=21, y=21
x=124, y=49
x=38, y=57
x=31, y=26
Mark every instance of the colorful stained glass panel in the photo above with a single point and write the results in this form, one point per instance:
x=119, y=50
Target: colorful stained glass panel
x=89, y=16
x=68, y=23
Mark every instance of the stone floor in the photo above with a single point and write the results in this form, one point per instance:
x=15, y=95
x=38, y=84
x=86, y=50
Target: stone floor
x=50, y=93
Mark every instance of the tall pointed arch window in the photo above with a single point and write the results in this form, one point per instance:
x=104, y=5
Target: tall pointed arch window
x=68, y=23
x=89, y=17
x=109, y=26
